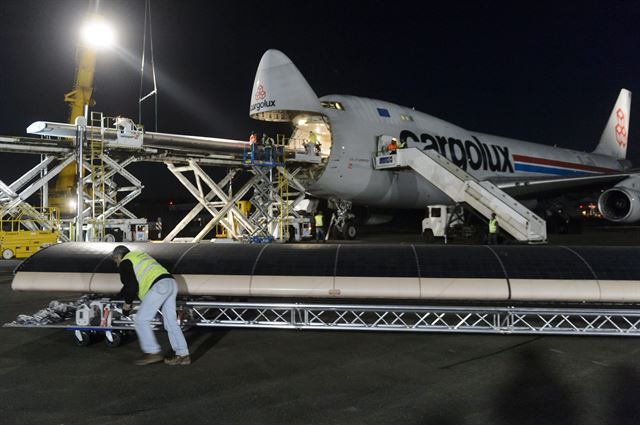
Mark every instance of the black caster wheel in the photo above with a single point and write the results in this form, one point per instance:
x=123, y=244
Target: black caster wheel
x=81, y=338
x=113, y=339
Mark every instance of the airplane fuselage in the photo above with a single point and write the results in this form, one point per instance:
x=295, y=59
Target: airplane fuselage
x=355, y=131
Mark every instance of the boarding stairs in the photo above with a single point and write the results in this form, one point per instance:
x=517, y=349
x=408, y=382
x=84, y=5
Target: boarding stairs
x=483, y=196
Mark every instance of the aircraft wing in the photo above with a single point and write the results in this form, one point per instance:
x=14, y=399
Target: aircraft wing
x=532, y=188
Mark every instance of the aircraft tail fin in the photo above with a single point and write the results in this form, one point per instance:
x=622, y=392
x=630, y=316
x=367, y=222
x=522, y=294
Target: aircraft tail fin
x=613, y=141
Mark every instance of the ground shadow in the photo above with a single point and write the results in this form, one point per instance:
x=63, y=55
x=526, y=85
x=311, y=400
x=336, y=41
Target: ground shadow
x=200, y=341
x=534, y=394
x=624, y=397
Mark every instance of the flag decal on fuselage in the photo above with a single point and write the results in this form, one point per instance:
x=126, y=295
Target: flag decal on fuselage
x=383, y=112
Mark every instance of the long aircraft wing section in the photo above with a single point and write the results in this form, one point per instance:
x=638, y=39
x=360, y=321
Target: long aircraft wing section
x=176, y=142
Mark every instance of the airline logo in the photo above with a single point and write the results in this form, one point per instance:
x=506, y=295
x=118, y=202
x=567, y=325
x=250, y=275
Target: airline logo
x=476, y=155
x=261, y=101
x=260, y=93
x=468, y=154
x=621, y=131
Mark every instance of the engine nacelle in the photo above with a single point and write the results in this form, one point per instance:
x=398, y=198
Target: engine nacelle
x=620, y=204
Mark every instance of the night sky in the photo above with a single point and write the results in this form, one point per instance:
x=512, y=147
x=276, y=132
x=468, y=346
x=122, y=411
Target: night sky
x=546, y=72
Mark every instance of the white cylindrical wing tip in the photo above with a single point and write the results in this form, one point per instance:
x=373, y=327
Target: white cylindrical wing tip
x=36, y=127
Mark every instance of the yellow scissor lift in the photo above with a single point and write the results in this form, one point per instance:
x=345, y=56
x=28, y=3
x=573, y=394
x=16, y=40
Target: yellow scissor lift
x=21, y=236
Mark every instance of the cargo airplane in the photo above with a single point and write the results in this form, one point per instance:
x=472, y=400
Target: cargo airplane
x=351, y=129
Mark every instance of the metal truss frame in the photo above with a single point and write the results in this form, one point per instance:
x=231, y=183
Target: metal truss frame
x=220, y=205
x=493, y=320
x=354, y=317
x=13, y=197
x=219, y=199
x=113, y=205
x=273, y=207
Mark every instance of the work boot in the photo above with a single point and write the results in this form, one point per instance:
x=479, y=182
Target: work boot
x=178, y=360
x=149, y=359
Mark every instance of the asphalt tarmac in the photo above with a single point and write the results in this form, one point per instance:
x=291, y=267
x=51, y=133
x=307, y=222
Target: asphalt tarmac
x=316, y=377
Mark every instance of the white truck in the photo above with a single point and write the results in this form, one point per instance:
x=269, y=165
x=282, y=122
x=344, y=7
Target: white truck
x=442, y=222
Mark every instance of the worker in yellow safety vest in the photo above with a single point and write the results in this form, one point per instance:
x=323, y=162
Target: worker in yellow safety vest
x=492, y=239
x=143, y=277
x=318, y=221
x=314, y=143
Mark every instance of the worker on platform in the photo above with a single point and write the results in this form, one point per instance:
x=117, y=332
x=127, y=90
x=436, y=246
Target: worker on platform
x=144, y=277
x=319, y=224
x=309, y=146
x=402, y=144
x=392, y=147
x=314, y=144
x=267, y=142
x=492, y=238
x=253, y=139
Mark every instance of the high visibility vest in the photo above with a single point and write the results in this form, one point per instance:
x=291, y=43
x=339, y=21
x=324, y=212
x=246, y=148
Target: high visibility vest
x=402, y=144
x=146, y=269
x=392, y=147
x=493, y=225
x=318, y=218
x=313, y=138
x=253, y=138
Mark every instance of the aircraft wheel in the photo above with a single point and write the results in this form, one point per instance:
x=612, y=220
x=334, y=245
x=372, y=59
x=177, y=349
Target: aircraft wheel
x=349, y=231
x=7, y=254
x=81, y=338
x=427, y=235
x=109, y=238
x=113, y=339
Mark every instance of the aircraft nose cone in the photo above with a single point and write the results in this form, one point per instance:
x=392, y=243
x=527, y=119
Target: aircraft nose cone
x=280, y=92
x=272, y=58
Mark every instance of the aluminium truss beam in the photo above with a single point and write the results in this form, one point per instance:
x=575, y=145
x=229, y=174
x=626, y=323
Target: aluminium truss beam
x=504, y=320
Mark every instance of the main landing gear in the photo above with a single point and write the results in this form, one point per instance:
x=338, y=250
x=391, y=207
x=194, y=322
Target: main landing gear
x=342, y=224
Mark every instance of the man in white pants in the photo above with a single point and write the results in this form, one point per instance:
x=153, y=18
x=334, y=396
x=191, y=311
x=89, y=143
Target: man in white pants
x=144, y=277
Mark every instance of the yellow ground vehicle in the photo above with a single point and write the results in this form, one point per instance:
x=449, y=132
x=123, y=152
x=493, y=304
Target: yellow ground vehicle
x=20, y=236
x=244, y=207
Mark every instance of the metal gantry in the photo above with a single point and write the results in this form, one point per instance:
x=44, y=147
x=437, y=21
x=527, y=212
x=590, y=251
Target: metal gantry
x=273, y=208
x=108, y=145
x=210, y=196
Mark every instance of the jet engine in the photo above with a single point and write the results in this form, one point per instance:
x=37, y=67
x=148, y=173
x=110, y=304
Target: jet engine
x=620, y=204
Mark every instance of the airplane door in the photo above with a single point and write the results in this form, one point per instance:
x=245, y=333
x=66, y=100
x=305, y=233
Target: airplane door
x=382, y=142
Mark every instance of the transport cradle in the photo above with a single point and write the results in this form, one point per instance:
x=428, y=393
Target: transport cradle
x=478, y=289
x=573, y=320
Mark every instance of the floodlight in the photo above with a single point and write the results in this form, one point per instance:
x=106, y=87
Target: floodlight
x=97, y=34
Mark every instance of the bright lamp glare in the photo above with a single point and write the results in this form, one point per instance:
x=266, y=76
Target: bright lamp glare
x=98, y=34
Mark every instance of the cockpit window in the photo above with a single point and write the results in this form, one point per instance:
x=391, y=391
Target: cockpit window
x=332, y=105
